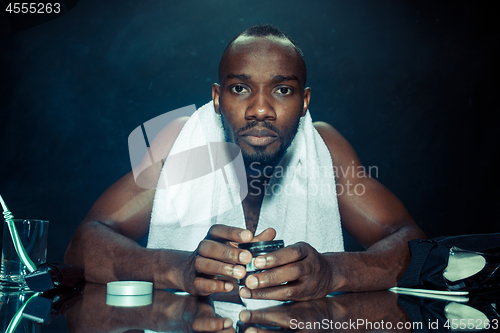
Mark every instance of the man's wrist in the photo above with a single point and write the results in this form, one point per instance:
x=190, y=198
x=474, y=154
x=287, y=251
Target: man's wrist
x=341, y=271
x=170, y=269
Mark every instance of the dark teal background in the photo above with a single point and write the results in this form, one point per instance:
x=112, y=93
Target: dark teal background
x=413, y=85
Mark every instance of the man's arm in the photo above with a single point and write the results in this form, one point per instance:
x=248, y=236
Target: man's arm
x=105, y=243
x=373, y=216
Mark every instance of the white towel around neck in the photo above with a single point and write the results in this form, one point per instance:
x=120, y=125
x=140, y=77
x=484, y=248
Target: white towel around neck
x=301, y=203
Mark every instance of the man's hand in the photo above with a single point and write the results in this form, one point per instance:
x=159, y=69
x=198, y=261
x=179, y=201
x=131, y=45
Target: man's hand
x=218, y=255
x=306, y=274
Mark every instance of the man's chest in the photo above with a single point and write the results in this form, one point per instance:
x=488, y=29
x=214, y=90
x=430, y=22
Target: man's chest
x=251, y=210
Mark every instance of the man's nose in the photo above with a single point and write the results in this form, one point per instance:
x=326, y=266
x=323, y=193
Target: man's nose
x=260, y=108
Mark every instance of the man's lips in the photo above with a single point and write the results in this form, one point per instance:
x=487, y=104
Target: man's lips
x=259, y=137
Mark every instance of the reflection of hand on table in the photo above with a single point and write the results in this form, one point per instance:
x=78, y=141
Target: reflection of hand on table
x=373, y=307
x=168, y=312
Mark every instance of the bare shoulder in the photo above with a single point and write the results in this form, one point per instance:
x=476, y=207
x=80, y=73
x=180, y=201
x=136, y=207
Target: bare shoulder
x=329, y=133
x=373, y=212
x=340, y=149
x=165, y=139
x=127, y=204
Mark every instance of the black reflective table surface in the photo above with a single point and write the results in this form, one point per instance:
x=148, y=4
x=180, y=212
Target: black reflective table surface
x=90, y=309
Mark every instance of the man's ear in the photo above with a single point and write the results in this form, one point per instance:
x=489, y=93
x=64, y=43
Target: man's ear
x=215, y=97
x=307, y=98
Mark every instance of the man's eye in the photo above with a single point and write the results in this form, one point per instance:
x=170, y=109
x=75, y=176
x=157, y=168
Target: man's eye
x=239, y=89
x=284, y=91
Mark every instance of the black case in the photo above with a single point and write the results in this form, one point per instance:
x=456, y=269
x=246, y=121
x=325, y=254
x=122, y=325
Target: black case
x=429, y=258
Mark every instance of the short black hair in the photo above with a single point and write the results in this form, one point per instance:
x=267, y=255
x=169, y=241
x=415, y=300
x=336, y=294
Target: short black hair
x=263, y=30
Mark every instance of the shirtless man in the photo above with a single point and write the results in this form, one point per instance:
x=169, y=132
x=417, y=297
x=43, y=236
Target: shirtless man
x=262, y=80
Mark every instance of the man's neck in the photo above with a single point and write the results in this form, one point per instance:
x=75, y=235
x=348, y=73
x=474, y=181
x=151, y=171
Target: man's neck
x=257, y=185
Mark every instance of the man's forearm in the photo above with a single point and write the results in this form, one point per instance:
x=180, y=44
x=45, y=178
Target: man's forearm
x=377, y=268
x=106, y=255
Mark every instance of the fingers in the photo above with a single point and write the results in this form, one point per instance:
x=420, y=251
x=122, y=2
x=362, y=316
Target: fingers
x=220, y=232
x=223, y=252
x=229, y=253
x=207, y=321
x=211, y=324
x=275, y=277
x=290, y=291
x=214, y=267
x=282, y=256
x=216, y=256
x=266, y=235
x=205, y=287
x=267, y=316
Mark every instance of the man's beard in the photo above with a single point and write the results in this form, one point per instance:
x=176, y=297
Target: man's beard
x=260, y=159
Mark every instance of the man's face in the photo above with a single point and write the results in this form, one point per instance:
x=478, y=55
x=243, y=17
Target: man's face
x=261, y=98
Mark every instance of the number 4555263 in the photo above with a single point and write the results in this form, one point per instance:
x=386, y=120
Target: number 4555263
x=33, y=8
